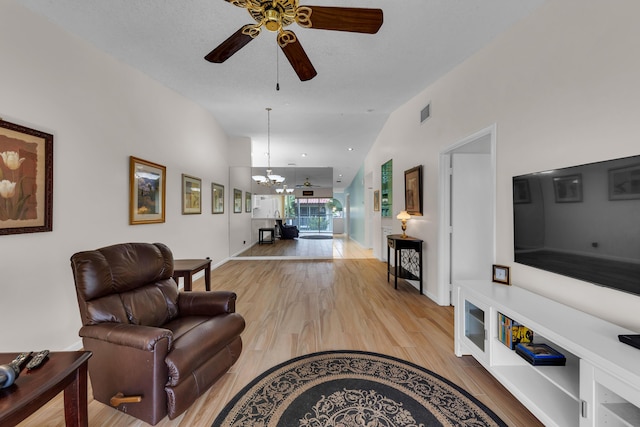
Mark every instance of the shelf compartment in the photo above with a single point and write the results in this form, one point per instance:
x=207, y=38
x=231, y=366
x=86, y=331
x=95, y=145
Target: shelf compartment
x=540, y=395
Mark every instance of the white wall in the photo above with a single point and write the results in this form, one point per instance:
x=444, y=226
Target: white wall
x=100, y=113
x=562, y=88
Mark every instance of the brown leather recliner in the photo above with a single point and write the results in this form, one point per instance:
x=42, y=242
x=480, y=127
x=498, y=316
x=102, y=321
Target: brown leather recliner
x=148, y=339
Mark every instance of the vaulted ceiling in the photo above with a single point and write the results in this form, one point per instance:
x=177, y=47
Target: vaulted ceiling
x=361, y=78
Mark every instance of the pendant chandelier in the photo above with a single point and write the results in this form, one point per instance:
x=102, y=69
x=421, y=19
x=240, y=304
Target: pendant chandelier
x=270, y=179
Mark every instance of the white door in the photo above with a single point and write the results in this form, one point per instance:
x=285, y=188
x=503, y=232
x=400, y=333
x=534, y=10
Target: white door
x=471, y=216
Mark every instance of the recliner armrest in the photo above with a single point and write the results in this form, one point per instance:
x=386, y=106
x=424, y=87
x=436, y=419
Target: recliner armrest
x=135, y=336
x=206, y=303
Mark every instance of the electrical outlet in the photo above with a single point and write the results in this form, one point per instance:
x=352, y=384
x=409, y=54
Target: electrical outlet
x=244, y=242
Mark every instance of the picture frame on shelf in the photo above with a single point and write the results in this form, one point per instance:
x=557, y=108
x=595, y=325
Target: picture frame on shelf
x=237, y=201
x=147, y=191
x=624, y=183
x=413, y=191
x=191, y=195
x=568, y=188
x=501, y=274
x=26, y=179
x=217, y=198
x=247, y=202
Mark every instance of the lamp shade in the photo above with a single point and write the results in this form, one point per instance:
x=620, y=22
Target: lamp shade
x=403, y=216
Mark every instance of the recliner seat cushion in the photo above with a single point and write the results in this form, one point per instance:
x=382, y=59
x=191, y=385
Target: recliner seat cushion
x=208, y=334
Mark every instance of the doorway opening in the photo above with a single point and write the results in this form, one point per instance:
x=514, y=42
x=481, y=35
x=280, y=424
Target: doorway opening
x=467, y=211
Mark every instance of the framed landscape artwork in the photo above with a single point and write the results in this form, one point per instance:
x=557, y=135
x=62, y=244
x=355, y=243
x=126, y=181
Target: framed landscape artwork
x=237, y=201
x=26, y=179
x=191, y=195
x=413, y=191
x=217, y=198
x=146, y=191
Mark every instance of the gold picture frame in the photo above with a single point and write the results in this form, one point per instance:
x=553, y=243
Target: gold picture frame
x=26, y=179
x=376, y=201
x=191, y=195
x=147, y=192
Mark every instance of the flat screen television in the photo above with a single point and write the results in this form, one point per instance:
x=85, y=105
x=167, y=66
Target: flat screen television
x=582, y=222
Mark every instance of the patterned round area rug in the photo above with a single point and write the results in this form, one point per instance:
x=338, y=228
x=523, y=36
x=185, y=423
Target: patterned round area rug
x=353, y=389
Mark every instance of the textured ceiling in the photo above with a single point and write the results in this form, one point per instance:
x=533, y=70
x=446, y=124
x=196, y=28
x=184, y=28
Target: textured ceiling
x=361, y=78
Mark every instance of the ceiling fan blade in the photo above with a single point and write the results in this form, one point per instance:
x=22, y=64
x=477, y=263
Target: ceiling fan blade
x=227, y=48
x=352, y=19
x=296, y=55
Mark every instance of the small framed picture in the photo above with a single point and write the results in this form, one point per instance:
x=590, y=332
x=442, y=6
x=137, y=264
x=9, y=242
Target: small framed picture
x=217, y=198
x=247, y=201
x=191, y=189
x=237, y=201
x=501, y=274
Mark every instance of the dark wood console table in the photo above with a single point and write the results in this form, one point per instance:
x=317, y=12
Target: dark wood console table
x=186, y=268
x=399, y=244
x=65, y=370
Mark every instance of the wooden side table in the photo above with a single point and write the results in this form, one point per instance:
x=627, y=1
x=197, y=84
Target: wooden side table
x=399, y=243
x=186, y=268
x=270, y=231
x=66, y=370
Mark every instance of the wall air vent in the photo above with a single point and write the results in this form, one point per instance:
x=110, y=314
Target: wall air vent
x=425, y=113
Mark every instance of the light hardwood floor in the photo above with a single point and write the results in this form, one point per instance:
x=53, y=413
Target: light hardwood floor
x=294, y=307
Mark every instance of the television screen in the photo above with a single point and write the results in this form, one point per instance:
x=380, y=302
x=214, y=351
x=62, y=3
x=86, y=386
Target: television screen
x=582, y=222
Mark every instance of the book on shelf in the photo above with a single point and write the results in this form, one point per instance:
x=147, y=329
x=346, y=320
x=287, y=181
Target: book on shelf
x=540, y=354
x=510, y=332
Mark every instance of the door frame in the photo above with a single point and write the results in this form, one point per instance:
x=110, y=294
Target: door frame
x=444, y=231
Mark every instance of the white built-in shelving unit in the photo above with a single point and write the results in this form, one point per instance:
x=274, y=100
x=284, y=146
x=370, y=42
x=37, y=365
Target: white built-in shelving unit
x=600, y=383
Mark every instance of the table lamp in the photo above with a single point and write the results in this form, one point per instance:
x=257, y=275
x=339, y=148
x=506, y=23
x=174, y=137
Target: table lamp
x=404, y=216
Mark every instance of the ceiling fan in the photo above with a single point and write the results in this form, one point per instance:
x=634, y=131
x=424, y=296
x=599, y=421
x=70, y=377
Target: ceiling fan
x=275, y=15
x=306, y=184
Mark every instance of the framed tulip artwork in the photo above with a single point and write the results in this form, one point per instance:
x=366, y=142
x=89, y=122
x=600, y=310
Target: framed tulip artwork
x=146, y=191
x=26, y=179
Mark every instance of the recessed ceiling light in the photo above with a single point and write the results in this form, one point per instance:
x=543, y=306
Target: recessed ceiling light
x=350, y=148
x=304, y=154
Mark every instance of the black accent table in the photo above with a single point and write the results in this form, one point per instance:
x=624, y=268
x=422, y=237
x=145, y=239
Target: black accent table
x=399, y=244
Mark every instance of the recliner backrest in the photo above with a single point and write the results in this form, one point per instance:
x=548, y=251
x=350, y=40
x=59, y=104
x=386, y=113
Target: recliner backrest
x=126, y=283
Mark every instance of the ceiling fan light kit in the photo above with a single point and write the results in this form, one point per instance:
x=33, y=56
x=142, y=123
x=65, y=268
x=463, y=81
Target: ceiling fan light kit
x=274, y=15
